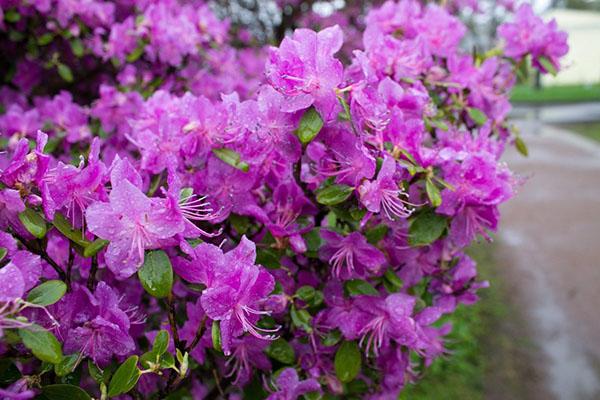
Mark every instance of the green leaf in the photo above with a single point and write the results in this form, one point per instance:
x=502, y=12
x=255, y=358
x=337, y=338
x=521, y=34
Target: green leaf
x=334, y=194
x=306, y=293
x=359, y=287
x=64, y=392
x=435, y=197
x=440, y=124
x=167, y=361
x=521, y=146
x=216, y=336
x=161, y=342
x=12, y=16
x=45, y=39
x=375, y=234
x=65, y=72
x=33, y=222
x=94, y=247
x=313, y=240
x=281, y=351
x=268, y=258
x=302, y=319
x=42, y=343
x=393, y=279
x=125, y=377
x=332, y=338
x=77, y=47
x=64, y=226
x=156, y=274
x=95, y=372
x=47, y=293
x=231, y=157
x=9, y=373
x=67, y=364
x=3, y=253
x=136, y=53
x=548, y=66
x=309, y=127
x=347, y=361
x=477, y=115
x=426, y=228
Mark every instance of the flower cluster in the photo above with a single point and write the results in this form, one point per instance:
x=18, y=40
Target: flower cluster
x=186, y=213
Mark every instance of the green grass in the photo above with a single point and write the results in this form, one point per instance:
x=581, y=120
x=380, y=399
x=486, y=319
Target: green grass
x=556, y=94
x=462, y=374
x=591, y=130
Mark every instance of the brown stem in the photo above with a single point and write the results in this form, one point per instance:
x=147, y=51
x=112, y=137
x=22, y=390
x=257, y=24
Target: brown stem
x=172, y=323
x=91, y=281
x=198, y=336
x=70, y=267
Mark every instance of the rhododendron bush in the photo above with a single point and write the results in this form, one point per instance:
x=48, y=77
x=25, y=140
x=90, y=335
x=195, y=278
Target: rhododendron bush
x=187, y=213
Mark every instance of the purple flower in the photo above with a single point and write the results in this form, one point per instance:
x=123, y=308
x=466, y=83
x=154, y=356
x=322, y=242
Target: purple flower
x=350, y=256
x=235, y=287
x=20, y=275
x=95, y=324
x=132, y=223
x=26, y=167
x=528, y=34
x=386, y=319
x=290, y=387
x=74, y=188
x=248, y=353
x=288, y=204
x=67, y=117
x=304, y=70
x=384, y=194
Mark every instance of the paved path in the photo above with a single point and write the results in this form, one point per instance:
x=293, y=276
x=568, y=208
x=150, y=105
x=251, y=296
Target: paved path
x=549, y=250
x=559, y=113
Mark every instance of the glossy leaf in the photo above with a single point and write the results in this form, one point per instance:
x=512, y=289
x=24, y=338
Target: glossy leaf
x=42, y=343
x=47, y=293
x=426, y=228
x=64, y=392
x=310, y=126
x=33, y=222
x=156, y=274
x=125, y=377
x=347, y=361
x=334, y=194
x=281, y=351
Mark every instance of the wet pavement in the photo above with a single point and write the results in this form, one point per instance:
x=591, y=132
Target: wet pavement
x=548, y=249
x=558, y=113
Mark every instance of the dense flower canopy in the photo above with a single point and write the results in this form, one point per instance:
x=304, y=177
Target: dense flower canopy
x=185, y=212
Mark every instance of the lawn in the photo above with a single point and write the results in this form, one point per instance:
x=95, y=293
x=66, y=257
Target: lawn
x=590, y=130
x=556, y=94
x=490, y=348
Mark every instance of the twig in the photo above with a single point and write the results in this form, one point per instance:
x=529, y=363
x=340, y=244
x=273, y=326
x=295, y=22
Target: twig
x=198, y=336
x=91, y=281
x=172, y=323
x=70, y=267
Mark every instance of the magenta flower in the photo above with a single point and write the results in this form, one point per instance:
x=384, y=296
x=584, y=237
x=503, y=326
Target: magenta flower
x=248, y=353
x=95, y=324
x=386, y=319
x=350, y=256
x=290, y=387
x=528, y=34
x=132, y=223
x=20, y=275
x=74, y=188
x=304, y=70
x=384, y=194
x=235, y=287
